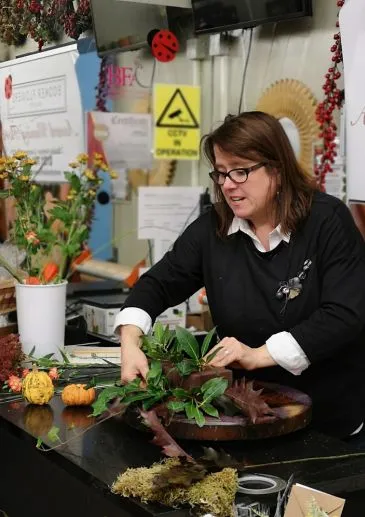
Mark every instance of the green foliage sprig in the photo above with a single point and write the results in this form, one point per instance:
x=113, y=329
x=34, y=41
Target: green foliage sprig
x=57, y=235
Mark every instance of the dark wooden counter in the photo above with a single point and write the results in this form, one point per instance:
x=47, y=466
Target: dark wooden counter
x=74, y=480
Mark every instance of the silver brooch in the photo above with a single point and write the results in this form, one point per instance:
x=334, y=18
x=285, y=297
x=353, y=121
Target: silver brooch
x=293, y=287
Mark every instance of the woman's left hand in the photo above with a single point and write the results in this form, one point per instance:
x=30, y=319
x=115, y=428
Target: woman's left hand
x=230, y=350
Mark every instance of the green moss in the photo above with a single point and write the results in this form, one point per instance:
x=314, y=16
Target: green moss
x=214, y=494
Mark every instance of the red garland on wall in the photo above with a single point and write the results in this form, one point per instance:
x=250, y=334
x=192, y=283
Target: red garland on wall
x=44, y=21
x=333, y=100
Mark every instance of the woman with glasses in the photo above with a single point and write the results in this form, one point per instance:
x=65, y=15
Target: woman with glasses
x=284, y=271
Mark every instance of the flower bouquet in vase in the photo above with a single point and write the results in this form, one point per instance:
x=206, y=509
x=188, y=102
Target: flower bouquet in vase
x=54, y=237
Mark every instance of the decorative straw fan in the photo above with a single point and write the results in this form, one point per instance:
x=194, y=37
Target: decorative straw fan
x=292, y=99
x=162, y=172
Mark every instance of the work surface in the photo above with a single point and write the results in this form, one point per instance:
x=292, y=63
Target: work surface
x=74, y=479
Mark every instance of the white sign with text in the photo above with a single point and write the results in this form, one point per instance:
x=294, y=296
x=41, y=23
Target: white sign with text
x=41, y=110
x=165, y=212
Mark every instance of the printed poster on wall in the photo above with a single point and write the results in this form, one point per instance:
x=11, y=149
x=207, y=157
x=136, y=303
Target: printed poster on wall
x=41, y=110
x=176, y=122
x=125, y=142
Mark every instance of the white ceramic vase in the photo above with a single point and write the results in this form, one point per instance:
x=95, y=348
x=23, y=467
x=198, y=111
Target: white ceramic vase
x=41, y=314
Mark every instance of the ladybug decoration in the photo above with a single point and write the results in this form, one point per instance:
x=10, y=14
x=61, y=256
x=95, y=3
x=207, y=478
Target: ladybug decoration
x=164, y=45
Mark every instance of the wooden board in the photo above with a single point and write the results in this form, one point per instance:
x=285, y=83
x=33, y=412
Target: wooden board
x=292, y=411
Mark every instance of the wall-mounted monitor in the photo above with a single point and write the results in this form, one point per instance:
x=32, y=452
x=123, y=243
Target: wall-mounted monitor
x=225, y=15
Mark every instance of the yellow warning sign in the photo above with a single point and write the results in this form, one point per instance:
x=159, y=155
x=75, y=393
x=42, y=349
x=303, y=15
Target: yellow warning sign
x=176, y=122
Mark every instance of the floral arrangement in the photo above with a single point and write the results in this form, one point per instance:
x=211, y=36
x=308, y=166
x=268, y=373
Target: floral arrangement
x=333, y=100
x=54, y=240
x=43, y=20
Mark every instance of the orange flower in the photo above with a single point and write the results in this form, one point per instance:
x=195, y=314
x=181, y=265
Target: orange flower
x=15, y=383
x=50, y=271
x=32, y=280
x=53, y=374
x=25, y=372
x=32, y=238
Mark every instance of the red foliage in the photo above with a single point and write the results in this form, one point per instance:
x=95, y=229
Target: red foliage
x=11, y=356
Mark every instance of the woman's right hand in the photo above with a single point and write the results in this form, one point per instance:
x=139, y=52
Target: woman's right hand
x=133, y=361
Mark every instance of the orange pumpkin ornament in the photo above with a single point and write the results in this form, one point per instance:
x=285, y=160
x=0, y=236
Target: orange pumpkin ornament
x=77, y=395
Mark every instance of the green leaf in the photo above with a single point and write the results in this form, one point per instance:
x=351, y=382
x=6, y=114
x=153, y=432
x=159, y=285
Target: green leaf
x=133, y=385
x=134, y=397
x=39, y=443
x=32, y=352
x=198, y=416
x=189, y=409
x=64, y=357
x=5, y=194
x=186, y=367
x=48, y=356
x=147, y=404
x=213, y=388
x=207, y=341
x=188, y=343
x=53, y=434
x=210, y=410
x=108, y=394
x=61, y=213
x=159, y=331
x=179, y=393
x=154, y=373
x=213, y=354
x=90, y=384
x=176, y=406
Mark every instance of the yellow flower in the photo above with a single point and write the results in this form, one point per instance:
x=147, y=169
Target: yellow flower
x=34, y=187
x=24, y=177
x=73, y=165
x=2, y=160
x=114, y=175
x=89, y=174
x=10, y=162
x=2, y=176
x=82, y=158
x=104, y=167
x=30, y=161
x=70, y=197
x=98, y=156
x=20, y=155
x=92, y=193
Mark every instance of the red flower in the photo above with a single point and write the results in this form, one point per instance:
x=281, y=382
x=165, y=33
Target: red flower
x=25, y=372
x=15, y=383
x=53, y=374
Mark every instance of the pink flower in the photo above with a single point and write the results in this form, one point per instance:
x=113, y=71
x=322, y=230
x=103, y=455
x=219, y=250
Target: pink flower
x=15, y=384
x=25, y=372
x=53, y=373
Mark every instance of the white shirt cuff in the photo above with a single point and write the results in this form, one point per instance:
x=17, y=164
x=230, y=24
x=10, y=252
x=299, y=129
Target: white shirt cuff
x=133, y=316
x=287, y=353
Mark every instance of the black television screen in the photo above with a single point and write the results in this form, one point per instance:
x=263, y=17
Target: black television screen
x=224, y=15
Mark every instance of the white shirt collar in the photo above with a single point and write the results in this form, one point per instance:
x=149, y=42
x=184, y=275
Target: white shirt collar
x=275, y=237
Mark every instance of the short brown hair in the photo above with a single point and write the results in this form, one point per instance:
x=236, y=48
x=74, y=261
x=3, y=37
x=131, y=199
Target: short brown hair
x=260, y=137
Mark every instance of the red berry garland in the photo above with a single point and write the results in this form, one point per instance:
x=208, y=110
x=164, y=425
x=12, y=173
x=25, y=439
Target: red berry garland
x=43, y=20
x=324, y=113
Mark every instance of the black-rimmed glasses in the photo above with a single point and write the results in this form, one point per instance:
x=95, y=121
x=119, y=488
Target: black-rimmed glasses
x=238, y=175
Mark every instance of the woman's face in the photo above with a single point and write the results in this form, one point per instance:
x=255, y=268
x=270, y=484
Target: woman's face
x=252, y=199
